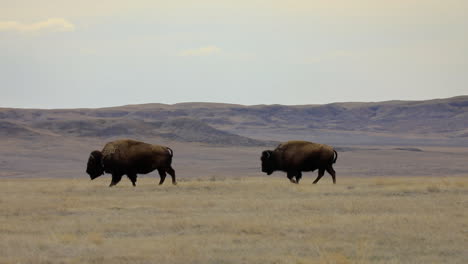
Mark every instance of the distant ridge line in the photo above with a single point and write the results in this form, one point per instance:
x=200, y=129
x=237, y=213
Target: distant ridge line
x=221, y=104
x=440, y=121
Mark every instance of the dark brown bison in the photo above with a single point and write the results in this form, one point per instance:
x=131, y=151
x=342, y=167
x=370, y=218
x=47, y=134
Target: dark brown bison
x=130, y=157
x=294, y=157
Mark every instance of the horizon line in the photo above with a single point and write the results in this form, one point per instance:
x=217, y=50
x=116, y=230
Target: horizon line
x=234, y=104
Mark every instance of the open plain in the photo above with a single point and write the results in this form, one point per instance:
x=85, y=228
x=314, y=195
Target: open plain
x=401, y=194
x=222, y=87
x=220, y=219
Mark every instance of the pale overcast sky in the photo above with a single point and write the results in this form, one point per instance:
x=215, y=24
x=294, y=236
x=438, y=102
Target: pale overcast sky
x=87, y=53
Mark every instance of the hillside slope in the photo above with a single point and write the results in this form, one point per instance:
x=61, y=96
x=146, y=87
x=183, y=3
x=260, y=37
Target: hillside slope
x=431, y=121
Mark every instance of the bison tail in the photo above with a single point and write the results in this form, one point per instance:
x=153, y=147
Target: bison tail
x=170, y=151
x=336, y=156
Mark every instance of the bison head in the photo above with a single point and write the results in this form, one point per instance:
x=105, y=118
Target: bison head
x=268, y=163
x=94, y=168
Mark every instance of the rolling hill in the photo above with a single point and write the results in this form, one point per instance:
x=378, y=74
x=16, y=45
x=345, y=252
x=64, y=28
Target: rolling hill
x=433, y=122
x=373, y=139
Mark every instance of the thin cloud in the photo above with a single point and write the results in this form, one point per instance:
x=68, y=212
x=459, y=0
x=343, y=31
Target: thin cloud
x=202, y=51
x=51, y=24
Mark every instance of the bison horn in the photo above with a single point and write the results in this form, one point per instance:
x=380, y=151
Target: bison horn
x=267, y=154
x=91, y=156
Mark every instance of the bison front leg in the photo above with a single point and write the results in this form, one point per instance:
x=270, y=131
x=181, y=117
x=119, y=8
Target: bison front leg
x=115, y=179
x=321, y=172
x=133, y=178
x=162, y=175
x=298, y=177
x=291, y=177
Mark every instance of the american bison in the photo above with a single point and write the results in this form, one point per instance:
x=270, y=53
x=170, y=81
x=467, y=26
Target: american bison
x=294, y=157
x=130, y=157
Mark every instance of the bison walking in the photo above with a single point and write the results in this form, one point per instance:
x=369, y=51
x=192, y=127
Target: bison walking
x=130, y=157
x=294, y=157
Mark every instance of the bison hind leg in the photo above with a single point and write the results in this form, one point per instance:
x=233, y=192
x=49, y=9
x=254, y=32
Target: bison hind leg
x=321, y=172
x=162, y=175
x=171, y=172
x=332, y=173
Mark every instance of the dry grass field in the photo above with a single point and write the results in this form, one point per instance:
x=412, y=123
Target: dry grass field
x=235, y=220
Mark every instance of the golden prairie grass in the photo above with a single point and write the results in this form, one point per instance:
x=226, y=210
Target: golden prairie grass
x=235, y=220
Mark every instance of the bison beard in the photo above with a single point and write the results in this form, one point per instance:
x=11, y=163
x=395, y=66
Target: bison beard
x=294, y=157
x=94, y=168
x=130, y=157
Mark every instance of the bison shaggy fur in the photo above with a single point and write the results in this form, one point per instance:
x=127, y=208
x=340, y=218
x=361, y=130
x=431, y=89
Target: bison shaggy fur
x=130, y=157
x=295, y=157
